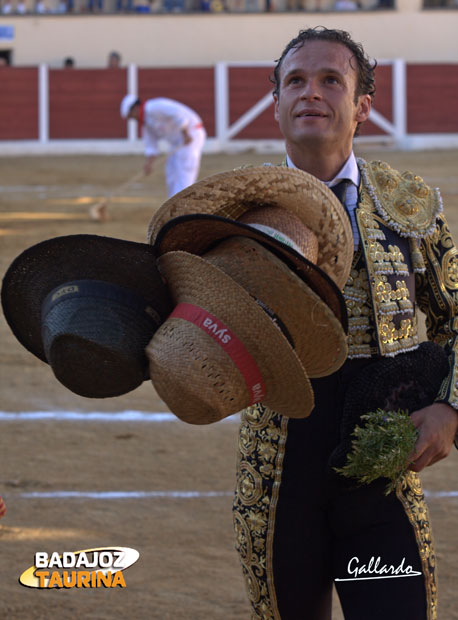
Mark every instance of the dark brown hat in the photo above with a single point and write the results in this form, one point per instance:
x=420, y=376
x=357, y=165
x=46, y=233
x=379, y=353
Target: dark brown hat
x=87, y=305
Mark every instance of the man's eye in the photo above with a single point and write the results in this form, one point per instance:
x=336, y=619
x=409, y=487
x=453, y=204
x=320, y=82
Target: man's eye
x=294, y=80
x=331, y=79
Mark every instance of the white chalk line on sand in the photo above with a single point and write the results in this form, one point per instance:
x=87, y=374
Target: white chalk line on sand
x=124, y=494
x=130, y=416
x=96, y=416
x=106, y=495
x=435, y=494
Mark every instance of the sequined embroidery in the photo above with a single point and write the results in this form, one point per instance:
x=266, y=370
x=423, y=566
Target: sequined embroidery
x=410, y=494
x=403, y=200
x=392, y=310
x=262, y=442
x=437, y=295
x=360, y=321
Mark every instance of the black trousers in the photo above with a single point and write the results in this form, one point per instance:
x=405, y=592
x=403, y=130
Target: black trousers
x=322, y=529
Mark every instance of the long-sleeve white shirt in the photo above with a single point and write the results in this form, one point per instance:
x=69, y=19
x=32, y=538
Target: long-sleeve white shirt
x=165, y=119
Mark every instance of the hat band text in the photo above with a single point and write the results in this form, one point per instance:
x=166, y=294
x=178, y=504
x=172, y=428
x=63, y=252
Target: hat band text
x=278, y=235
x=228, y=341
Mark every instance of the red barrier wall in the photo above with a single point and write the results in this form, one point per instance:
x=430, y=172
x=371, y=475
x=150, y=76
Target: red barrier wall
x=432, y=98
x=247, y=85
x=84, y=103
x=383, y=101
x=18, y=103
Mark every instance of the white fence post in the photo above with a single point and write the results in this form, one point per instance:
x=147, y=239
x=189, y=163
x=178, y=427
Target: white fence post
x=43, y=103
x=132, y=89
x=399, y=82
x=221, y=103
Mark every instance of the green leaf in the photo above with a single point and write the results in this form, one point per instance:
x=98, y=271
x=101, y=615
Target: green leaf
x=381, y=448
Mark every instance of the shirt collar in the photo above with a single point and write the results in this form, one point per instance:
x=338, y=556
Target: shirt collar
x=348, y=171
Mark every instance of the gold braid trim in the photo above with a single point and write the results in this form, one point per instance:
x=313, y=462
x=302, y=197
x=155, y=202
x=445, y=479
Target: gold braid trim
x=403, y=201
x=262, y=443
x=410, y=494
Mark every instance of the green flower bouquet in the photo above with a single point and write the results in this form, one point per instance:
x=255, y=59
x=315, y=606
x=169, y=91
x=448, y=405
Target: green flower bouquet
x=381, y=448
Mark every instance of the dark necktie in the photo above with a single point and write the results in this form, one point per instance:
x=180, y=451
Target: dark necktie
x=340, y=190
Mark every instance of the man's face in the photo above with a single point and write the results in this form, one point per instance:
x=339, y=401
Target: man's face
x=316, y=105
x=113, y=62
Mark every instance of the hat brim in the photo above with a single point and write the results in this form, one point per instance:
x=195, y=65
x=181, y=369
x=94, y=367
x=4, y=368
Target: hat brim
x=198, y=233
x=51, y=263
x=230, y=194
x=186, y=386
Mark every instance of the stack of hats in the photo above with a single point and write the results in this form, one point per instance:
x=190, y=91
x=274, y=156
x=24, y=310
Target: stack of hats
x=235, y=299
x=255, y=260
x=88, y=306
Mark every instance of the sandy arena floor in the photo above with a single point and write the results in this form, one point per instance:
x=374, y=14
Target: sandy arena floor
x=188, y=568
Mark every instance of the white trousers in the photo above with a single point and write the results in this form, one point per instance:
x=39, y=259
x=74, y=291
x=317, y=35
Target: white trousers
x=183, y=165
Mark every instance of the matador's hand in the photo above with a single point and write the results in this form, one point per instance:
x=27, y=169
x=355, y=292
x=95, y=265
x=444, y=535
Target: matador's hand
x=437, y=425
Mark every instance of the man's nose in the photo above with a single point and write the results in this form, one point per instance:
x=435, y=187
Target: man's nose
x=310, y=90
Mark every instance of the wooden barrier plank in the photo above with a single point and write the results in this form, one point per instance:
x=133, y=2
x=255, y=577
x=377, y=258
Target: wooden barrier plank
x=84, y=103
x=247, y=85
x=383, y=101
x=19, y=103
x=432, y=98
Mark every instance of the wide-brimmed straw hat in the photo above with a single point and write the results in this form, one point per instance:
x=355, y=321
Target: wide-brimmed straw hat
x=410, y=381
x=301, y=295
x=219, y=351
x=230, y=194
x=87, y=305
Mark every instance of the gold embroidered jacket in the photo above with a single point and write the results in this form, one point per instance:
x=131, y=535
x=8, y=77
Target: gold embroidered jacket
x=406, y=260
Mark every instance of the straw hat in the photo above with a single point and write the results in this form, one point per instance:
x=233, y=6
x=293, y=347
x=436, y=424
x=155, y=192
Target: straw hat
x=87, y=305
x=316, y=335
x=197, y=233
x=219, y=352
x=230, y=194
x=310, y=306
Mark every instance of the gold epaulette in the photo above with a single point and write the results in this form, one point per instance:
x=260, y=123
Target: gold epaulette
x=402, y=200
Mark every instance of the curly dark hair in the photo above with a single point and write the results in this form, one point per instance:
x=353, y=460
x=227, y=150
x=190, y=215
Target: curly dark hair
x=366, y=67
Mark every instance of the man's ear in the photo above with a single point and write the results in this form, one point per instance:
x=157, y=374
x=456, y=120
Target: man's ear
x=275, y=106
x=363, y=108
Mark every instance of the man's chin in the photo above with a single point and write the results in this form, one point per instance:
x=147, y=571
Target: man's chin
x=312, y=137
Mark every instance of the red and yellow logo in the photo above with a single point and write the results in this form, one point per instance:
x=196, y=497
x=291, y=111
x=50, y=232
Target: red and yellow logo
x=90, y=568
